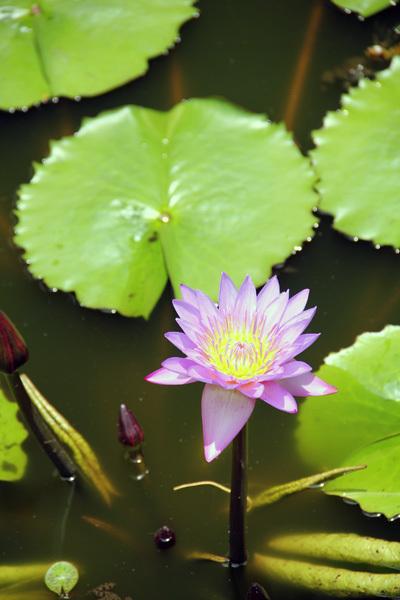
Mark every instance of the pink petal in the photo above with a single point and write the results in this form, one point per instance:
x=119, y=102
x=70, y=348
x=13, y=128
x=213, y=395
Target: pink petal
x=186, y=311
x=208, y=311
x=193, y=332
x=188, y=295
x=279, y=397
x=202, y=373
x=224, y=413
x=296, y=305
x=295, y=327
x=246, y=302
x=301, y=344
x=177, y=364
x=268, y=293
x=227, y=294
x=274, y=313
x=254, y=389
x=294, y=368
x=180, y=340
x=308, y=385
x=166, y=377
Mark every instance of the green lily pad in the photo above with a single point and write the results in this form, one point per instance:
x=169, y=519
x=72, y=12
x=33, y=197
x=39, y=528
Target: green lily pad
x=377, y=488
x=12, y=433
x=358, y=160
x=137, y=195
x=364, y=7
x=366, y=407
x=57, y=48
x=61, y=577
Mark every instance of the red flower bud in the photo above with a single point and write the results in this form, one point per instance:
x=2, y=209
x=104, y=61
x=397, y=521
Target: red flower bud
x=130, y=432
x=257, y=592
x=13, y=350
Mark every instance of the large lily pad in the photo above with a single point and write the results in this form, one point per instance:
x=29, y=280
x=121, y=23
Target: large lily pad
x=377, y=488
x=359, y=424
x=364, y=7
x=366, y=407
x=358, y=160
x=137, y=195
x=73, y=48
x=12, y=433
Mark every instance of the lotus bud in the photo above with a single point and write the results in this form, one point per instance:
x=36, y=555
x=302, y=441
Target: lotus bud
x=13, y=350
x=257, y=592
x=130, y=432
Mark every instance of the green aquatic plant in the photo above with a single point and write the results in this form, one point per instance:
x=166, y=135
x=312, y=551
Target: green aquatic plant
x=13, y=458
x=365, y=8
x=180, y=196
x=360, y=423
x=51, y=48
x=357, y=160
x=61, y=578
x=13, y=354
x=84, y=456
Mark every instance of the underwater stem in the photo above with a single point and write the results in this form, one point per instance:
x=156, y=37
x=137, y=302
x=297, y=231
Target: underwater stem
x=238, y=503
x=40, y=429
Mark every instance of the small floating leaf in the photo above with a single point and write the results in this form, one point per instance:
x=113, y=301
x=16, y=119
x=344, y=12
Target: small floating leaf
x=364, y=7
x=357, y=159
x=343, y=547
x=366, y=407
x=203, y=188
x=276, y=493
x=12, y=434
x=57, y=48
x=83, y=454
x=329, y=580
x=61, y=577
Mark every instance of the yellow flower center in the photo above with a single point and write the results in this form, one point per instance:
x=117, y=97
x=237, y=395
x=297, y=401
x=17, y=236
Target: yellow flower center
x=240, y=353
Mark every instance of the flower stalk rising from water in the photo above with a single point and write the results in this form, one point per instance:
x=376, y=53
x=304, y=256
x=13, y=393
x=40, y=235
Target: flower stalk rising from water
x=243, y=349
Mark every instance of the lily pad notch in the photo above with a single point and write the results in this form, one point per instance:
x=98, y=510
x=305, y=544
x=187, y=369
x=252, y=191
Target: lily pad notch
x=138, y=195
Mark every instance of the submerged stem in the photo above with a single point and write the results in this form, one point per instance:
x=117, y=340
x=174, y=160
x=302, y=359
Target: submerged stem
x=40, y=429
x=238, y=502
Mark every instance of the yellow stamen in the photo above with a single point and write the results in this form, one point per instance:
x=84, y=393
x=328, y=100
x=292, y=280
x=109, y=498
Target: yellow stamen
x=242, y=353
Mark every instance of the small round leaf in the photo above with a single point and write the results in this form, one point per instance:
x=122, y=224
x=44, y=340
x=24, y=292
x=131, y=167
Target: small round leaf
x=61, y=577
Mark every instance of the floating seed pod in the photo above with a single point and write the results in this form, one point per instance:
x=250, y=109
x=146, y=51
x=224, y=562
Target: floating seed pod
x=164, y=538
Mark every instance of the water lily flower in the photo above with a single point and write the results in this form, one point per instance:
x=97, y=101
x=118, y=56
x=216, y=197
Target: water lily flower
x=244, y=348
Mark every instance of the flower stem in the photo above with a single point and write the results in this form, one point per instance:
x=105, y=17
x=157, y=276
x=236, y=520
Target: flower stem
x=49, y=443
x=237, y=515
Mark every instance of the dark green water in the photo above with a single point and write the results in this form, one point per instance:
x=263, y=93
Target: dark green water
x=88, y=362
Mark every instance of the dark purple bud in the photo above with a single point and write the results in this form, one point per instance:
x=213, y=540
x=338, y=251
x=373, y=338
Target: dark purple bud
x=257, y=592
x=130, y=432
x=164, y=538
x=13, y=350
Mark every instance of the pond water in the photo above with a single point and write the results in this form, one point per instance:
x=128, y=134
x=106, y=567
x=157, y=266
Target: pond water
x=267, y=57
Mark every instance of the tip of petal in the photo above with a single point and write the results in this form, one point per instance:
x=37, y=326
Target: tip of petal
x=211, y=452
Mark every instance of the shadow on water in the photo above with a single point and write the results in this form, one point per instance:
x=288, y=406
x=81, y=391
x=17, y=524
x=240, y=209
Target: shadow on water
x=267, y=59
